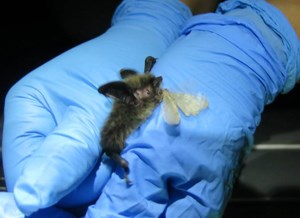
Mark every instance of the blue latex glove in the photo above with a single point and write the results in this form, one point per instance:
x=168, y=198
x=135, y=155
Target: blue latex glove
x=8, y=207
x=188, y=170
x=54, y=114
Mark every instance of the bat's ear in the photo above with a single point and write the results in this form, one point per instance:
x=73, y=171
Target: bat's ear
x=127, y=73
x=118, y=90
x=157, y=81
x=149, y=63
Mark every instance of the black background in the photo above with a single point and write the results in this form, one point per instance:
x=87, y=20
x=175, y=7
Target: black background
x=33, y=32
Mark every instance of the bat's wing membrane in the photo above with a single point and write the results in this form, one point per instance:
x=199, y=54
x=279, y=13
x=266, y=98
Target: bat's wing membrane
x=117, y=90
x=127, y=73
x=149, y=63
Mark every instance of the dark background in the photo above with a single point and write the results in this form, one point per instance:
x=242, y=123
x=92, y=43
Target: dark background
x=33, y=32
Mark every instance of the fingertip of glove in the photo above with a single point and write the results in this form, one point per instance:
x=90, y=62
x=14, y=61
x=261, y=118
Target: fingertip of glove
x=27, y=199
x=8, y=207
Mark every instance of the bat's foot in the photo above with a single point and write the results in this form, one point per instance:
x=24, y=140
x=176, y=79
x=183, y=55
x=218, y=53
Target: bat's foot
x=127, y=180
x=124, y=164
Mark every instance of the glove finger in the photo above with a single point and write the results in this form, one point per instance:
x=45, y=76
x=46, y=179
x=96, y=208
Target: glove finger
x=59, y=163
x=8, y=207
x=26, y=124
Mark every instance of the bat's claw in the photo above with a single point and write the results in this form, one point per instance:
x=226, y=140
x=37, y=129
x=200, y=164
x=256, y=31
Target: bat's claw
x=127, y=180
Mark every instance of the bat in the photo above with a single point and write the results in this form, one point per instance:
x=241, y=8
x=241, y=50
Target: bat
x=135, y=98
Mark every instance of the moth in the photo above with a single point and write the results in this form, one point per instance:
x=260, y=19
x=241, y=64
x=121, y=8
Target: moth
x=135, y=98
x=189, y=104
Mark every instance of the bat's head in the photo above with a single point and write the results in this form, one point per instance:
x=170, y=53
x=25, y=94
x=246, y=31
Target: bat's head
x=150, y=89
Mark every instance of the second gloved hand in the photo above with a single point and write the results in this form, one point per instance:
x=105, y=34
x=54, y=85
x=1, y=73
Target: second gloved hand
x=188, y=170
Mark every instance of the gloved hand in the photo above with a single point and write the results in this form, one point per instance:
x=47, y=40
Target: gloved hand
x=54, y=114
x=8, y=207
x=240, y=59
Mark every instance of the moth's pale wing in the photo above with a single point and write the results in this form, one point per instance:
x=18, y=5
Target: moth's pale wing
x=189, y=104
x=170, y=110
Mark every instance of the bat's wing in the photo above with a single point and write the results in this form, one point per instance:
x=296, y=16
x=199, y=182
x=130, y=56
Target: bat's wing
x=127, y=73
x=170, y=110
x=118, y=90
x=190, y=104
x=149, y=63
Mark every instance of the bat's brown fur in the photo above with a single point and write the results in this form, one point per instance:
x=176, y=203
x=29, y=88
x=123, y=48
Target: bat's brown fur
x=128, y=115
